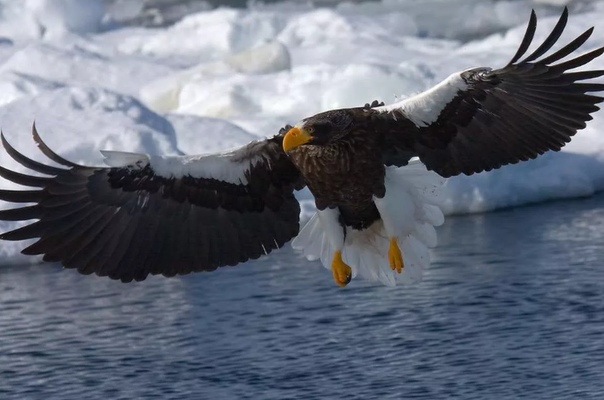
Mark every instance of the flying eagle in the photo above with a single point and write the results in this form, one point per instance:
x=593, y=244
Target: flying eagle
x=374, y=172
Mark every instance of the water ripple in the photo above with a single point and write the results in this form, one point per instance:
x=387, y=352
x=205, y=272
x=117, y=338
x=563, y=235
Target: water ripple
x=512, y=308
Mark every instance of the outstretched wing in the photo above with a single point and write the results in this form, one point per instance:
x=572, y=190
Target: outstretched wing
x=156, y=215
x=480, y=119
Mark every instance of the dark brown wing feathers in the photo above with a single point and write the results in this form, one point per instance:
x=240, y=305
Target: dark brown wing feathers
x=506, y=115
x=126, y=223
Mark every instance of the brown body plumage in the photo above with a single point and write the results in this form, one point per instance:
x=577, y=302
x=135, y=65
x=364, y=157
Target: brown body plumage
x=356, y=169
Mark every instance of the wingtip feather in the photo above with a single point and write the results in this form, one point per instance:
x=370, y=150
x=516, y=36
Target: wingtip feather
x=26, y=161
x=529, y=34
x=551, y=39
x=47, y=151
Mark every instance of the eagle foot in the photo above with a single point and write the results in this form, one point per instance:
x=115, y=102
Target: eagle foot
x=342, y=273
x=285, y=129
x=395, y=257
x=373, y=104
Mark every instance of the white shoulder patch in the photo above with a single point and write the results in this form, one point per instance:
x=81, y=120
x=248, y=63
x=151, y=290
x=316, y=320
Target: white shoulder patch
x=424, y=108
x=228, y=166
x=119, y=159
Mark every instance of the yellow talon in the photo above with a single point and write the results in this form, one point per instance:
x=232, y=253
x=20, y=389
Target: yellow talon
x=395, y=257
x=342, y=273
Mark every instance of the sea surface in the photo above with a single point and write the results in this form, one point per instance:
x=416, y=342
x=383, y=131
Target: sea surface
x=512, y=308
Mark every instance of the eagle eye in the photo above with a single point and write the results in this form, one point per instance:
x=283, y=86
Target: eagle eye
x=320, y=129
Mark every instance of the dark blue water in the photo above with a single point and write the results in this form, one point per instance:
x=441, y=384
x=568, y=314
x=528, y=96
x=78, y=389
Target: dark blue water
x=513, y=307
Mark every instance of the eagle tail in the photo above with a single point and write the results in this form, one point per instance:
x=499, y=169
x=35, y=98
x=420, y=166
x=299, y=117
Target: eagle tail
x=365, y=251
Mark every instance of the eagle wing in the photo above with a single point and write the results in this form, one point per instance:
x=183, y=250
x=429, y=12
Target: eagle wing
x=480, y=119
x=156, y=215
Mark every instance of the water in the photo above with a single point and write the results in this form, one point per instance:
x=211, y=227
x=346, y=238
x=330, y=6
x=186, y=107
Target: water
x=512, y=308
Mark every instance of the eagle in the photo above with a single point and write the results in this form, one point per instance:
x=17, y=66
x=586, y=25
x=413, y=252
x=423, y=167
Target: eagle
x=374, y=171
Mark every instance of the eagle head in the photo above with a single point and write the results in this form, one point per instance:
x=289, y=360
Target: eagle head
x=320, y=129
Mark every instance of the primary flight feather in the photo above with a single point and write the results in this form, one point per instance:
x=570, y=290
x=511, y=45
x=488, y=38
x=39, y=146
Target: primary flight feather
x=374, y=172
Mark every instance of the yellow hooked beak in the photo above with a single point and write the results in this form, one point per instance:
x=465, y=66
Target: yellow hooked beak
x=295, y=137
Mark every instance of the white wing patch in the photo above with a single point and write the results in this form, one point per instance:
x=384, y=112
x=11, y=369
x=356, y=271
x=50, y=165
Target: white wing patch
x=423, y=109
x=366, y=251
x=120, y=159
x=230, y=166
x=223, y=167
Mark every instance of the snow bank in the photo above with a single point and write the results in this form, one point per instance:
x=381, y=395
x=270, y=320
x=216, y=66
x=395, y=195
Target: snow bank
x=204, y=89
x=220, y=78
x=49, y=18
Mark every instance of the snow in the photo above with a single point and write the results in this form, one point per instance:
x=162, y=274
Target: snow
x=222, y=77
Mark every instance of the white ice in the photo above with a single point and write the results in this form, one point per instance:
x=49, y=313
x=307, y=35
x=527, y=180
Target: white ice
x=219, y=78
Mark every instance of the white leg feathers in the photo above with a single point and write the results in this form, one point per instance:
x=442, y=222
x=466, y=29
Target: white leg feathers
x=324, y=232
x=329, y=220
x=409, y=212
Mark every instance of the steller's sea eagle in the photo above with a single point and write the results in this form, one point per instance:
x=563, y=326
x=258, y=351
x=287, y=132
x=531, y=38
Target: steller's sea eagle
x=374, y=172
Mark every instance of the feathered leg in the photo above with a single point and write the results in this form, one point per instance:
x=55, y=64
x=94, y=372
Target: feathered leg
x=330, y=221
x=397, y=209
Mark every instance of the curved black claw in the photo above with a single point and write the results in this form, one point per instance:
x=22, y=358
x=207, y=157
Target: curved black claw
x=373, y=104
x=285, y=129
